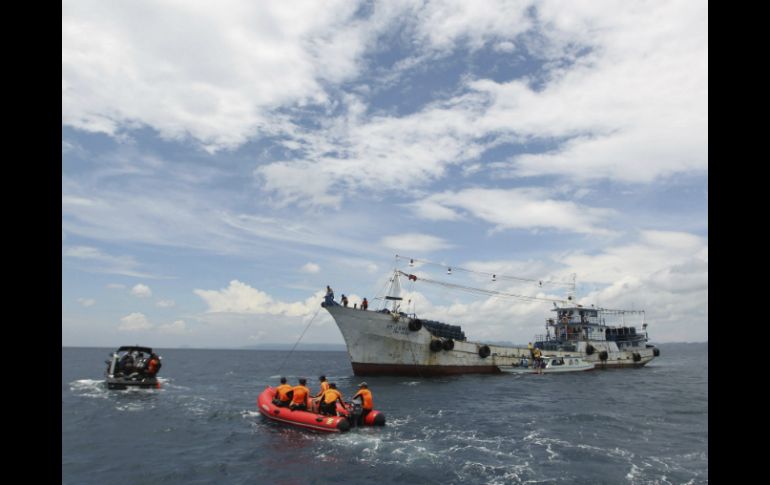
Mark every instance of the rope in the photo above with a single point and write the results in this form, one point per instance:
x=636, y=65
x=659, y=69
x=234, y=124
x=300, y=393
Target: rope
x=481, y=291
x=297, y=342
x=495, y=275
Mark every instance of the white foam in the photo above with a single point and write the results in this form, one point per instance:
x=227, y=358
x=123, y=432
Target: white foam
x=90, y=388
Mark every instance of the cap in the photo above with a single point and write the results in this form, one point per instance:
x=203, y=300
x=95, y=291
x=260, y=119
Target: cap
x=283, y=380
x=322, y=378
x=302, y=380
x=363, y=384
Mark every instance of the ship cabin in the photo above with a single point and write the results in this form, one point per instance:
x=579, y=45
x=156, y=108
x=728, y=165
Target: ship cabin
x=578, y=323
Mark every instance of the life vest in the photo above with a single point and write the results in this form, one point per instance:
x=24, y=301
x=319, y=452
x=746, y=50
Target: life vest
x=300, y=394
x=536, y=352
x=366, y=395
x=324, y=387
x=331, y=395
x=152, y=366
x=282, y=392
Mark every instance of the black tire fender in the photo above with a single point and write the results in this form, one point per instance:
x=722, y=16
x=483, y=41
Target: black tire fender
x=448, y=344
x=484, y=351
x=415, y=324
x=603, y=355
x=435, y=345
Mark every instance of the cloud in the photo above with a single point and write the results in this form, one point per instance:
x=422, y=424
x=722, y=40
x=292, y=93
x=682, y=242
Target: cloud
x=178, y=327
x=134, y=322
x=505, y=47
x=86, y=302
x=414, y=242
x=311, y=268
x=443, y=24
x=165, y=211
x=655, y=251
x=431, y=208
x=621, y=96
x=241, y=298
x=93, y=259
x=526, y=208
x=165, y=303
x=115, y=286
x=141, y=291
x=216, y=76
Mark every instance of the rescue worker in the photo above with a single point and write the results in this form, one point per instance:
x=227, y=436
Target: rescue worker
x=536, y=358
x=126, y=363
x=153, y=365
x=283, y=394
x=531, y=350
x=300, y=395
x=367, y=404
x=329, y=400
x=324, y=386
x=364, y=304
x=318, y=397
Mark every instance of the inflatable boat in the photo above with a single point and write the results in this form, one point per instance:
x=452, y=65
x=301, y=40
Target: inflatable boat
x=348, y=415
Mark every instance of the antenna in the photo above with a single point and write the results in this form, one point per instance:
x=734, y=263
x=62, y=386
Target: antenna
x=571, y=291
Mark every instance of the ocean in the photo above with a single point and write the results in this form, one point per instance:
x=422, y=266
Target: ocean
x=635, y=426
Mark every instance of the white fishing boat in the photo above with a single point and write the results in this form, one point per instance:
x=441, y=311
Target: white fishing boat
x=391, y=341
x=551, y=365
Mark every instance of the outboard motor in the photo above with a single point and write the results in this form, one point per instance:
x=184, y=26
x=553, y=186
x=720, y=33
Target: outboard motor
x=355, y=412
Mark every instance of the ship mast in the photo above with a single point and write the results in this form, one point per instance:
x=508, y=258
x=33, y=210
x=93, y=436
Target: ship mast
x=394, y=292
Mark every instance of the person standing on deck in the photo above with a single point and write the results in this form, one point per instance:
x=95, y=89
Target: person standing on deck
x=329, y=299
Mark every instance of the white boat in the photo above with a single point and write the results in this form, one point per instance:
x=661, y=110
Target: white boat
x=552, y=365
x=393, y=342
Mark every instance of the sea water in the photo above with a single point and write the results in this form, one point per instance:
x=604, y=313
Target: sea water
x=646, y=425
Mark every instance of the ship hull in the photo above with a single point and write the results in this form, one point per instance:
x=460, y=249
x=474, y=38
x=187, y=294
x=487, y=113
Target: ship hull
x=380, y=343
x=364, y=369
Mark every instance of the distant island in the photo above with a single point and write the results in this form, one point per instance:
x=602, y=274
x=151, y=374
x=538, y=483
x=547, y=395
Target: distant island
x=301, y=346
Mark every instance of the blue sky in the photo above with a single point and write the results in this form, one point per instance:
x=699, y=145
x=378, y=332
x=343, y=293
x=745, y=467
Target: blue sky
x=222, y=164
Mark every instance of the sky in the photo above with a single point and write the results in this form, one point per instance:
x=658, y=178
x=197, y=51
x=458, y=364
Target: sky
x=223, y=162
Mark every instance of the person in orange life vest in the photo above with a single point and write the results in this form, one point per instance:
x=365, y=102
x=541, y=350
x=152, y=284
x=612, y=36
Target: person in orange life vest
x=344, y=300
x=365, y=394
x=324, y=386
x=299, y=396
x=364, y=304
x=329, y=401
x=153, y=365
x=283, y=394
x=319, y=397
